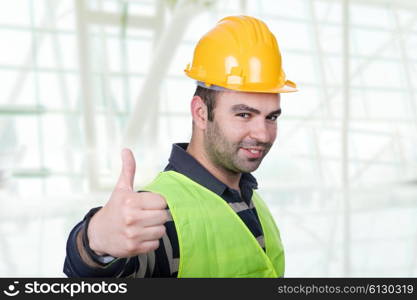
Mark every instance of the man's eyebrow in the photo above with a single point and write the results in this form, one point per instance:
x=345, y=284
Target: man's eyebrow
x=243, y=107
x=276, y=112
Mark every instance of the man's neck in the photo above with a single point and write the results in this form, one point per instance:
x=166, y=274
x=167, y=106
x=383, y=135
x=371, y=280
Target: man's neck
x=228, y=178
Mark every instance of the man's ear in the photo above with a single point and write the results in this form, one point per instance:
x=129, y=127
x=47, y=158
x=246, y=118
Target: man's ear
x=199, y=112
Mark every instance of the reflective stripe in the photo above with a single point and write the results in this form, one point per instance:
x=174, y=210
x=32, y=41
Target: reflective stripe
x=239, y=206
x=261, y=241
x=143, y=260
x=169, y=253
x=151, y=262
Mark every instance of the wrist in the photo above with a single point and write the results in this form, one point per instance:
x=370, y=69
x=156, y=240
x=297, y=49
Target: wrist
x=91, y=247
x=90, y=237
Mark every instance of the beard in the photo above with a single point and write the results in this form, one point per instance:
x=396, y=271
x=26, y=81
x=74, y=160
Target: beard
x=224, y=153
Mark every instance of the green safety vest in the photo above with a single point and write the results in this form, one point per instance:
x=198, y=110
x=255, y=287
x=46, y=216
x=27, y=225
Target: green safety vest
x=213, y=240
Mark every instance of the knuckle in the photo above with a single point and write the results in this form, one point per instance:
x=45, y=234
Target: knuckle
x=141, y=200
x=128, y=219
x=128, y=201
x=167, y=216
x=161, y=230
x=142, y=249
x=154, y=245
x=130, y=246
x=129, y=234
x=156, y=198
x=149, y=246
x=140, y=217
x=163, y=201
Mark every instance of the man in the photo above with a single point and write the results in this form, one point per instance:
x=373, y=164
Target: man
x=200, y=217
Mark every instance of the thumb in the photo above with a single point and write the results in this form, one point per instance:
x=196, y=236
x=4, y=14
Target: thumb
x=127, y=174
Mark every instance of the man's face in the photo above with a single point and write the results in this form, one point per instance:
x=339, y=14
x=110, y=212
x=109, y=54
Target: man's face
x=243, y=130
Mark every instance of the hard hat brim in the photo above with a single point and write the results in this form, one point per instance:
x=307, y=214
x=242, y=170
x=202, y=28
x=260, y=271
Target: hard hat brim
x=288, y=87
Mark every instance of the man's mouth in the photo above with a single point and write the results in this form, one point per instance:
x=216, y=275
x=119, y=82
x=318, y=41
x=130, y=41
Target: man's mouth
x=253, y=152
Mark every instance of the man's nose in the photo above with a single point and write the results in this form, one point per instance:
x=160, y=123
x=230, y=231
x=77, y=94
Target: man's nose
x=260, y=131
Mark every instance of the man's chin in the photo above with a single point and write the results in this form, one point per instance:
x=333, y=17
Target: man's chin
x=248, y=169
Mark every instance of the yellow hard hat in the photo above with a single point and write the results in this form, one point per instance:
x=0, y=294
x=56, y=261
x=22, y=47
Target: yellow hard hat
x=241, y=54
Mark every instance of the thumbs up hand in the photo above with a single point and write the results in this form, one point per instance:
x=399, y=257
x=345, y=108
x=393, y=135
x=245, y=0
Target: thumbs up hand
x=130, y=223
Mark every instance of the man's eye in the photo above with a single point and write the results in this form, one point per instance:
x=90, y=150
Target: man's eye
x=244, y=115
x=273, y=118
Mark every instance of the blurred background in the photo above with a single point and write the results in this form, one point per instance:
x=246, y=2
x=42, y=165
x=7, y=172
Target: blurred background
x=80, y=79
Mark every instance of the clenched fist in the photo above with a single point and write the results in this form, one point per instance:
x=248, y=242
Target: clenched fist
x=130, y=223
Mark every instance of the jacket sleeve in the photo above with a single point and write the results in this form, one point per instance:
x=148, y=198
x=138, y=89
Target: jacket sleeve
x=158, y=263
x=75, y=266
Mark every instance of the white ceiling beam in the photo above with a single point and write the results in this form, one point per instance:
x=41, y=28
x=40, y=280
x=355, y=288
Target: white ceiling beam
x=398, y=3
x=115, y=19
